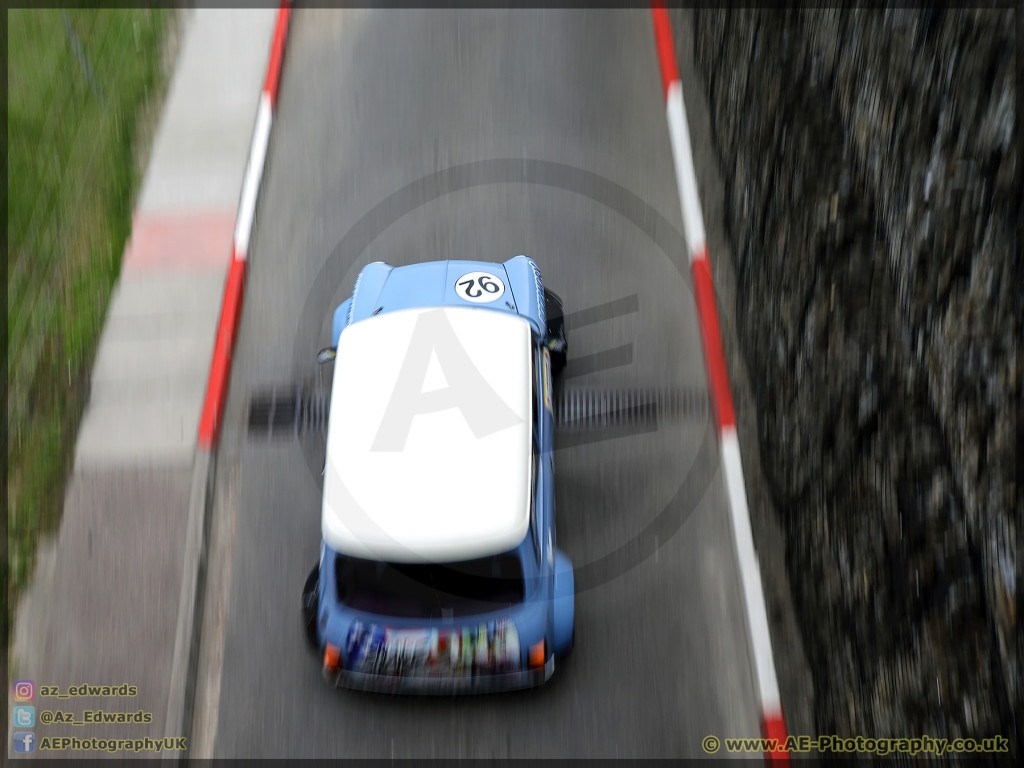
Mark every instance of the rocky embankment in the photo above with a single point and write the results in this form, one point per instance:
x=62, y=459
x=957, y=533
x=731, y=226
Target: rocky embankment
x=873, y=198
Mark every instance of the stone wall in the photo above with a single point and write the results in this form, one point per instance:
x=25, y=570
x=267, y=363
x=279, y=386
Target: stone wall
x=873, y=199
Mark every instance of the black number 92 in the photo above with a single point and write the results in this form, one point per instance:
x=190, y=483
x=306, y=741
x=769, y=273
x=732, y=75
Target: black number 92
x=486, y=284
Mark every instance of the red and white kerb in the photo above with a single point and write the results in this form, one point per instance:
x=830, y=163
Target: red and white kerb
x=773, y=724
x=220, y=367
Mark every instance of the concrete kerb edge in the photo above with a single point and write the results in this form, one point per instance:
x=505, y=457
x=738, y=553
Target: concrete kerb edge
x=188, y=631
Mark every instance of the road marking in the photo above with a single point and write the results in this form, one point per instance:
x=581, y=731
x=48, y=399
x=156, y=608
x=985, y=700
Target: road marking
x=191, y=240
x=679, y=134
x=749, y=570
x=253, y=176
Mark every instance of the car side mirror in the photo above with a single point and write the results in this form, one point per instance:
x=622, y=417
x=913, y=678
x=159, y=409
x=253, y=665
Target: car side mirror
x=326, y=355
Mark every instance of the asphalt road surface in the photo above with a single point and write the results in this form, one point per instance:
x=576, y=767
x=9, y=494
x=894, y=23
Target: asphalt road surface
x=415, y=135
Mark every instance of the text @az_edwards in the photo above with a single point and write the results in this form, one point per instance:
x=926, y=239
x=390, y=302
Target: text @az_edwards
x=121, y=691
x=166, y=744
x=853, y=745
x=94, y=717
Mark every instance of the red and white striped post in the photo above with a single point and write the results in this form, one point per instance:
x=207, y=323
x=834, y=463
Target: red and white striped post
x=231, y=307
x=773, y=725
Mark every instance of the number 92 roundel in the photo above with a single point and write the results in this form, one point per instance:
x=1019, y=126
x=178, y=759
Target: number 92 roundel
x=479, y=287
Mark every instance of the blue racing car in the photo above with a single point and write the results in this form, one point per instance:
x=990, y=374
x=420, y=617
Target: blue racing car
x=438, y=568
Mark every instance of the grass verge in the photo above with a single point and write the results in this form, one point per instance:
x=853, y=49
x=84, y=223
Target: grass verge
x=78, y=83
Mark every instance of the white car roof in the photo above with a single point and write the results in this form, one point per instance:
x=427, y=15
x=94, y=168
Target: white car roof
x=429, y=445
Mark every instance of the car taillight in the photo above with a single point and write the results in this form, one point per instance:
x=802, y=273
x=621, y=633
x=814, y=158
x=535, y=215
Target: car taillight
x=537, y=655
x=332, y=658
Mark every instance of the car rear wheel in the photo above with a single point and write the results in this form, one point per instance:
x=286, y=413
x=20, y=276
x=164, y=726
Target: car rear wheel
x=558, y=343
x=310, y=603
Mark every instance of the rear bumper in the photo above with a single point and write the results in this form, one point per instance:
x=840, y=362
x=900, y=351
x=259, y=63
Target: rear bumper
x=440, y=686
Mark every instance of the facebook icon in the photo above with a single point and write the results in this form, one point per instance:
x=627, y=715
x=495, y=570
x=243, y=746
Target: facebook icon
x=24, y=741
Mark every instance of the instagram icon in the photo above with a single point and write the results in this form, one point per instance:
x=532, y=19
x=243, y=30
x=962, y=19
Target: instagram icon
x=24, y=690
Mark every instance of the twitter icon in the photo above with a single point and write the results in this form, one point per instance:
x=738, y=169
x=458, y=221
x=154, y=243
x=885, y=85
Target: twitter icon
x=24, y=716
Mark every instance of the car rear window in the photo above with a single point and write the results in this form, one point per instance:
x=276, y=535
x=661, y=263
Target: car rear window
x=430, y=590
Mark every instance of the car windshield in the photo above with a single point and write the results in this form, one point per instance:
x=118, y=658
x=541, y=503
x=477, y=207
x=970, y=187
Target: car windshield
x=430, y=590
